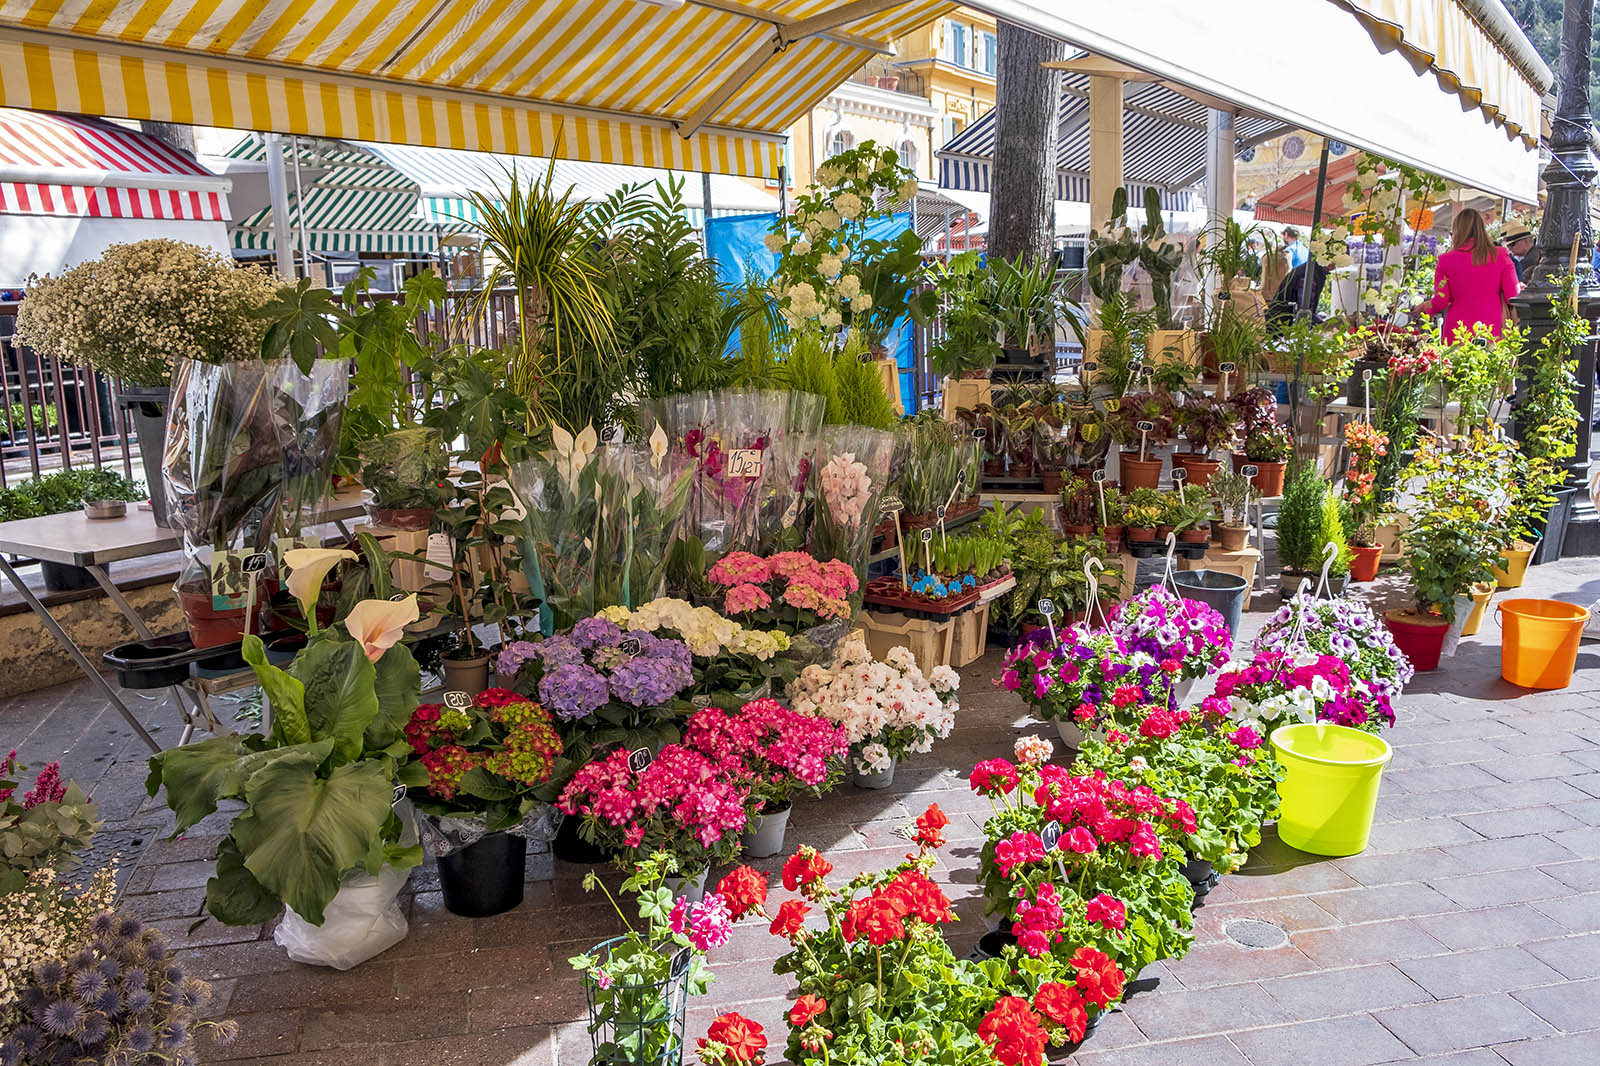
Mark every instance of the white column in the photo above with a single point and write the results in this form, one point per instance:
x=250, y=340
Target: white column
x=1105, y=146
x=1222, y=187
x=278, y=191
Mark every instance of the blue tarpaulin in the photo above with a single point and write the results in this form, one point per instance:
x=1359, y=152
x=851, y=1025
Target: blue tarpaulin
x=735, y=242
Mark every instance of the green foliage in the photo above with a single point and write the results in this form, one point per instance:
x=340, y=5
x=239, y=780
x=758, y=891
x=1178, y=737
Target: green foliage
x=970, y=553
x=379, y=335
x=302, y=320
x=1547, y=415
x=44, y=835
x=938, y=464
x=1461, y=503
x=1233, y=492
x=1332, y=532
x=1028, y=302
x=406, y=467
x=969, y=339
x=316, y=790
x=862, y=401
x=1049, y=567
x=65, y=491
x=808, y=367
x=1300, y=519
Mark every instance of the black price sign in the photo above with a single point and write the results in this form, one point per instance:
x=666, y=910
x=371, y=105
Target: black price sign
x=1047, y=607
x=1051, y=835
x=961, y=480
x=1145, y=425
x=457, y=700
x=680, y=964
x=1098, y=475
x=1179, y=473
x=630, y=646
x=1090, y=367
x=1226, y=368
x=639, y=759
x=979, y=433
x=256, y=562
x=939, y=512
x=1249, y=470
x=927, y=536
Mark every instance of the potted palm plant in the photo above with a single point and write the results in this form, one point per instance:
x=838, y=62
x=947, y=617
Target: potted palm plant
x=1028, y=304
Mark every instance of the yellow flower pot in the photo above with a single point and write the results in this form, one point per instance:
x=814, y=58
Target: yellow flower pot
x=1482, y=592
x=1516, y=567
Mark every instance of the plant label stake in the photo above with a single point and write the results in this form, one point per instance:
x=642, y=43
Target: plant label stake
x=1225, y=369
x=979, y=433
x=1088, y=369
x=1047, y=607
x=1330, y=552
x=1144, y=426
x=1366, y=396
x=1099, y=478
x=1180, y=477
x=1172, y=551
x=1051, y=835
x=680, y=964
x=927, y=548
x=639, y=760
x=253, y=566
x=456, y=700
x=892, y=507
x=1090, y=566
x=939, y=512
x=1249, y=470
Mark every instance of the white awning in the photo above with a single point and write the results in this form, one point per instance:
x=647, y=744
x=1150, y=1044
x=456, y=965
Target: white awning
x=1317, y=65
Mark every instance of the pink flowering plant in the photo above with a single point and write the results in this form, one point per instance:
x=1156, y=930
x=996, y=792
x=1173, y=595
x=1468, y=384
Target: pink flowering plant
x=683, y=803
x=635, y=1006
x=1113, y=879
x=789, y=591
x=852, y=471
x=1223, y=771
x=886, y=709
x=1278, y=688
x=44, y=826
x=773, y=752
x=1346, y=629
x=1088, y=677
x=1173, y=629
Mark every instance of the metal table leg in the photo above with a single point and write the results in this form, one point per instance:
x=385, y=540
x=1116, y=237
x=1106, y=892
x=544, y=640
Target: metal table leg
x=77, y=654
x=114, y=594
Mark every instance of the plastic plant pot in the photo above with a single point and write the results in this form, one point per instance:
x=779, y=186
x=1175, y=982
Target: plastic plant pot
x=1218, y=589
x=1421, y=637
x=485, y=877
x=1539, y=647
x=1329, y=790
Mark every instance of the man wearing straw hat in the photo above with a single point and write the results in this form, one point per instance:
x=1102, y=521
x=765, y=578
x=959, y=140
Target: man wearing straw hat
x=1518, y=239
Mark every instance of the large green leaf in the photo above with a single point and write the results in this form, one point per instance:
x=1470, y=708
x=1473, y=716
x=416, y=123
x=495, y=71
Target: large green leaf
x=484, y=785
x=341, y=697
x=302, y=832
x=284, y=692
x=399, y=690
x=233, y=896
x=197, y=776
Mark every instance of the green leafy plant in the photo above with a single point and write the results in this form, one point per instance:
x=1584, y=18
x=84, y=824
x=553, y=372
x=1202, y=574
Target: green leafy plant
x=65, y=490
x=1300, y=520
x=1271, y=443
x=406, y=468
x=1460, y=506
x=970, y=329
x=1234, y=493
x=1205, y=423
x=1332, y=532
x=42, y=828
x=318, y=789
x=862, y=400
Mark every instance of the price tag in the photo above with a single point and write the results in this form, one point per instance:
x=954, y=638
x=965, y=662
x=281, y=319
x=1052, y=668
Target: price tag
x=939, y=512
x=1179, y=473
x=892, y=504
x=399, y=597
x=441, y=557
x=457, y=700
x=399, y=794
x=1226, y=368
x=680, y=964
x=791, y=513
x=744, y=462
x=1145, y=425
x=1249, y=470
x=630, y=646
x=639, y=759
x=1098, y=476
x=927, y=536
x=979, y=433
x=1051, y=835
x=961, y=481
x=256, y=562
x=1366, y=375
x=1090, y=367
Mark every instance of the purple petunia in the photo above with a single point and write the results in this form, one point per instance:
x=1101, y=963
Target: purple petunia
x=573, y=691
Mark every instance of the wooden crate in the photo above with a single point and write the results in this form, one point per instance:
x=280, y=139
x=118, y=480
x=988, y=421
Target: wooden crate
x=889, y=370
x=971, y=638
x=930, y=643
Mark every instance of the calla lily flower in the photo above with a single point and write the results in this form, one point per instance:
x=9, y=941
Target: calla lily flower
x=573, y=452
x=377, y=624
x=308, y=567
x=658, y=446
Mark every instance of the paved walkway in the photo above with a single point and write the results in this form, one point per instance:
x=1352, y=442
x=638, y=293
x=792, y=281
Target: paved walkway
x=1467, y=935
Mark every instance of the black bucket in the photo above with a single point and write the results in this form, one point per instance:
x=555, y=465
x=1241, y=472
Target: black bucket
x=484, y=878
x=1216, y=588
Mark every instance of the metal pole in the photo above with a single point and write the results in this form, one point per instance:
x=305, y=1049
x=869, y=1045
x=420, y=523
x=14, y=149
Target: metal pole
x=705, y=205
x=300, y=211
x=1310, y=313
x=278, y=190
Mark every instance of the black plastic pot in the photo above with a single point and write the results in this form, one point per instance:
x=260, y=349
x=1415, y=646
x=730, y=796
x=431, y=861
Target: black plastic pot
x=484, y=878
x=1202, y=877
x=568, y=846
x=64, y=577
x=1555, y=529
x=995, y=941
x=158, y=663
x=1353, y=387
x=147, y=412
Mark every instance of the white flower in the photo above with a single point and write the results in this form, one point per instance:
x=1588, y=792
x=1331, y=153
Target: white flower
x=830, y=320
x=830, y=265
x=848, y=205
x=802, y=247
x=1138, y=765
x=827, y=176
x=848, y=287
x=1033, y=750
x=862, y=302
x=774, y=242
x=908, y=189
x=944, y=679
x=864, y=170
x=828, y=220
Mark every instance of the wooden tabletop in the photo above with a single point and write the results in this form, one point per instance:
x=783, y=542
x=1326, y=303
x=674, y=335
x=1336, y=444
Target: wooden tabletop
x=78, y=541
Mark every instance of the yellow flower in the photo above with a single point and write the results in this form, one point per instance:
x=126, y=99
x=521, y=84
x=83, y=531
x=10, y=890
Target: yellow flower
x=308, y=567
x=377, y=624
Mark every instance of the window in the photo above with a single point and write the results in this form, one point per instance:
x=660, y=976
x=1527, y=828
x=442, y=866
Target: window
x=984, y=60
x=955, y=43
x=841, y=141
x=908, y=155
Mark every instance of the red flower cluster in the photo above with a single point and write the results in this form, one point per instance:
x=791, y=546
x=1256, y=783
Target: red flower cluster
x=994, y=777
x=790, y=919
x=1098, y=983
x=1098, y=978
x=1112, y=811
x=446, y=767
x=880, y=916
x=1107, y=911
x=804, y=868
x=930, y=827
x=741, y=1040
x=806, y=1008
x=1013, y=1031
x=745, y=889
x=1040, y=922
x=1161, y=723
x=1018, y=849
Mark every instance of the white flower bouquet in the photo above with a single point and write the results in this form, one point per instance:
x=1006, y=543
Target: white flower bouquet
x=888, y=709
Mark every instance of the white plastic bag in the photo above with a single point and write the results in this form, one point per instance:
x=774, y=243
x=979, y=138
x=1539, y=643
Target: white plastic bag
x=362, y=919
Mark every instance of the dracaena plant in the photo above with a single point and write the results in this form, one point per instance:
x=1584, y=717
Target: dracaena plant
x=319, y=786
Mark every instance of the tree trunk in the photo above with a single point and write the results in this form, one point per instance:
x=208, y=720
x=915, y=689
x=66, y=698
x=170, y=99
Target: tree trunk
x=174, y=134
x=1023, y=191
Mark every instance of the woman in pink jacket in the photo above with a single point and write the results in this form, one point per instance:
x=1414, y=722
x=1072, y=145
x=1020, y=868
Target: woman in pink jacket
x=1474, y=281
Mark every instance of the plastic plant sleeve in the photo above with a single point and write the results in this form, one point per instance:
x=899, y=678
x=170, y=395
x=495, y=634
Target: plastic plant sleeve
x=850, y=475
x=308, y=411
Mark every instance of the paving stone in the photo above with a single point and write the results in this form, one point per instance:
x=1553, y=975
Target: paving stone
x=1535, y=767
x=1579, y=914
x=1545, y=742
x=1571, y=1007
x=1224, y=962
x=1573, y=956
x=1472, y=973
x=1344, y=991
x=1419, y=865
x=390, y=1019
x=270, y=1032
x=1206, y=1051
x=1422, y=833
x=1439, y=778
x=1373, y=942
x=1386, y=901
x=1208, y=1010
x=1356, y=1040
x=1486, y=856
x=1491, y=928
x=1583, y=875
x=1577, y=1049
x=1505, y=886
x=1460, y=1024
x=1293, y=881
x=1589, y=783
x=1520, y=822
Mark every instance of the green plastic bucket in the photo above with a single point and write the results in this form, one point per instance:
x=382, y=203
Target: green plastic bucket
x=1330, y=786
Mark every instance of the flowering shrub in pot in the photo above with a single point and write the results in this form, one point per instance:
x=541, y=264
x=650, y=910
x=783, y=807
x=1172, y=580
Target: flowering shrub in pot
x=1082, y=681
x=1345, y=629
x=776, y=754
x=639, y=984
x=475, y=777
x=1112, y=881
x=887, y=709
x=789, y=591
x=732, y=664
x=1277, y=688
x=1172, y=629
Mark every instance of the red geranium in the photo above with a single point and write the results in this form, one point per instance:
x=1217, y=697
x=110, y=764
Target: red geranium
x=741, y=1040
x=790, y=919
x=1018, y=849
x=913, y=894
x=1062, y=1004
x=745, y=889
x=1080, y=840
x=805, y=1009
x=1013, y=1031
x=1098, y=978
x=930, y=827
x=804, y=867
x=877, y=917
x=994, y=777
x=1107, y=911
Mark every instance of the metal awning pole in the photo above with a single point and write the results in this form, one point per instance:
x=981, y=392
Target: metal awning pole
x=300, y=210
x=278, y=192
x=1305, y=283
x=705, y=205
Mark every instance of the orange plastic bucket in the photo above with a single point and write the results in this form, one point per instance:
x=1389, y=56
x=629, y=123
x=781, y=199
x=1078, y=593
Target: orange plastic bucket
x=1539, y=647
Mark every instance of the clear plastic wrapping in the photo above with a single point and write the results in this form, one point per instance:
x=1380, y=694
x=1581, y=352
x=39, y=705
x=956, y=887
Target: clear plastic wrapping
x=850, y=475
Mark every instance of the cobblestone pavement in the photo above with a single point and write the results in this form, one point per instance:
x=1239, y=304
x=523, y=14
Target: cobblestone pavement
x=1468, y=934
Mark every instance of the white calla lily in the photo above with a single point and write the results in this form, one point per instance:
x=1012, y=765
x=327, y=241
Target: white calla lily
x=658, y=446
x=308, y=568
x=378, y=624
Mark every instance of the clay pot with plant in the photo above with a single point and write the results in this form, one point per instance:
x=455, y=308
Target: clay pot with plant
x=1142, y=512
x=1268, y=449
x=406, y=470
x=1207, y=425
x=1234, y=493
x=1143, y=423
x=1080, y=509
x=1365, y=446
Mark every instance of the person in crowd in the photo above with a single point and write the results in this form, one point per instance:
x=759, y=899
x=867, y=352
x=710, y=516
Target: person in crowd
x=1294, y=247
x=1474, y=281
x=1252, y=257
x=1286, y=301
x=1518, y=239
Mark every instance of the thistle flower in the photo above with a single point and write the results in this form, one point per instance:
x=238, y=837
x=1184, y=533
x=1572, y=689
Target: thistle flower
x=174, y=1034
x=49, y=973
x=95, y=1029
x=88, y=984
x=103, y=924
x=61, y=1017
x=129, y=927
x=140, y=1039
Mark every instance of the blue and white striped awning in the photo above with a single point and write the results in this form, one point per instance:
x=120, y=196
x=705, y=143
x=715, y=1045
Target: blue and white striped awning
x=1163, y=144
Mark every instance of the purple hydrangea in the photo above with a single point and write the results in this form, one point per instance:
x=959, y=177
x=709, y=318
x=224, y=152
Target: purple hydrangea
x=558, y=651
x=595, y=632
x=513, y=655
x=573, y=690
x=646, y=681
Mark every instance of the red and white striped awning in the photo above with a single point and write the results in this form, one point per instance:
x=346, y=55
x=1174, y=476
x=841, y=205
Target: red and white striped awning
x=78, y=167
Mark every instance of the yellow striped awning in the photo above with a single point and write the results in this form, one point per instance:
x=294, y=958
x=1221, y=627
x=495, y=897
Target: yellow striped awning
x=695, y=85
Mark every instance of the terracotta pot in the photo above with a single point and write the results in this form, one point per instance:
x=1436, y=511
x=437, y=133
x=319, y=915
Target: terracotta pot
x=1112, y=535
x=209, y=627
x=1139, y=473
x=466, y=675
x=1200, y=468
x=401, y=519
x=1197, y=535
x=1161, y=533
x=1364, y=561
x=994, y=467
x=1052, y=481
x=1141, y=534
x=1420, y=637
x=1233, y=537
x=1269, y=476
x=1077, y=531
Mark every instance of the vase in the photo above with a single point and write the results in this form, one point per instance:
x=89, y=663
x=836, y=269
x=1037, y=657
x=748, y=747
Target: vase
x=466, y=675
x=692, y=888
x=1420, y=637
x=1364, y=561
x=1268, y=478
x=1136, y=473
x=1071, y=733
x=1076, y=531
x=763, y=838
x=874, y=779
x=146, y=409
x=485, y=877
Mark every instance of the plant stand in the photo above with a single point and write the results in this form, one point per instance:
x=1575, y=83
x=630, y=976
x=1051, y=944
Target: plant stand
x=931, y=643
